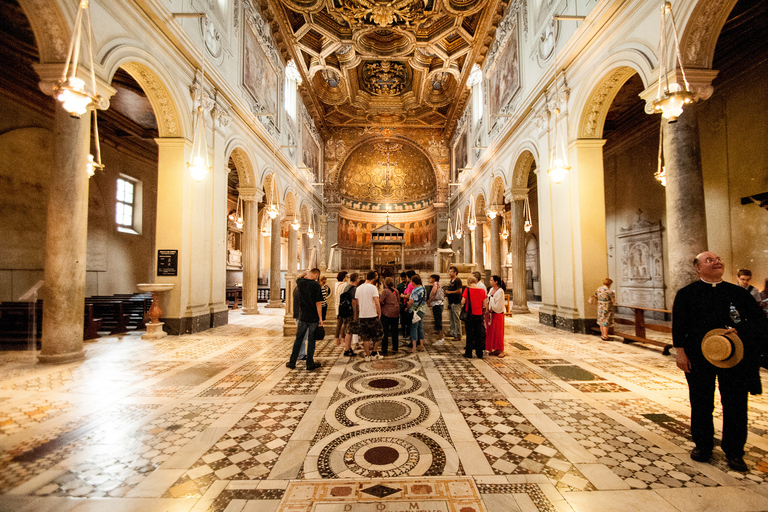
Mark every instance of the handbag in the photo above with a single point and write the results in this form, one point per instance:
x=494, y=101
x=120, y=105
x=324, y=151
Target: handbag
x=464, y=315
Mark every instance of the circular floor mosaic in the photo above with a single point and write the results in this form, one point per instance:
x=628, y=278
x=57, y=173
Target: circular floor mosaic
x=390, y=385
x=384, y=365
x=382, y=410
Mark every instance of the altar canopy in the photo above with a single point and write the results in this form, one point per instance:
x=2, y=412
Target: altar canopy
x=388, y=234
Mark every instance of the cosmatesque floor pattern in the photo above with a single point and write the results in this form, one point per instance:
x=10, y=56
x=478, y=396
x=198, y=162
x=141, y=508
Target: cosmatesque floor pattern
x=215, y=422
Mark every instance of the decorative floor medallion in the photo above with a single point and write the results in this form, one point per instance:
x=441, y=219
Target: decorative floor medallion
x=443, y=494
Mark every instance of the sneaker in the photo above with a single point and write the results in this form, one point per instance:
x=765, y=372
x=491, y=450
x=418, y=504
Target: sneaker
x=379, y=356
x=440, y=341
x=367, y=358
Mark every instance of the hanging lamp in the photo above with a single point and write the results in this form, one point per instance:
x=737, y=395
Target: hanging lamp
x=661, y=171
x=239, y=213
x=266, y=226
x=672, y=97
x=459, y=222
x=558, y=167
x=472, y=218
x=528, y=224
x=310, y=228
x=71, y=91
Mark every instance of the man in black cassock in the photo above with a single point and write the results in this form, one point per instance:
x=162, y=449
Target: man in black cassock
x=710, y=303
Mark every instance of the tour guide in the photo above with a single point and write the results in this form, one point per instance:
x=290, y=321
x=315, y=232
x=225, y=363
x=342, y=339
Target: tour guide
x=718, y=331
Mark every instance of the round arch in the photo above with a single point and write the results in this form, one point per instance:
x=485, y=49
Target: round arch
x=245, y=170
x=527, y=151
x=591, y=115
x=701, y=31
x=51, y=28
x=496, y=197
x=290, y=204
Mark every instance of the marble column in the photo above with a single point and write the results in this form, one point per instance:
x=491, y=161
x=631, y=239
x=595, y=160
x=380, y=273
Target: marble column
x=467, y=235
x=293, y=242
x=251, y=234
x=496, y=246
x=274, y=265
x=66, y=241
x=479, y=263
x=323, y=248
x=517, y=248
x=686, y=217
x=304, y=249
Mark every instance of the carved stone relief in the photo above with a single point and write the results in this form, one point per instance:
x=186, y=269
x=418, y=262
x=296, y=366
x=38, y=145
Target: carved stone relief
x=641, y=282
x=168, y=122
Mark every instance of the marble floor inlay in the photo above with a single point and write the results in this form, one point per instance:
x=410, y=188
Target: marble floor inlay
x=215, y=422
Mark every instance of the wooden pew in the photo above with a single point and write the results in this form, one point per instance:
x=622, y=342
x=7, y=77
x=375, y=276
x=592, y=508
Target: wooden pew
x=111, y=313
x=641, y=325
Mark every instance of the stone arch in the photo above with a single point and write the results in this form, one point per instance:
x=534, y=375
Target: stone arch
x=595, y=109
x=304, y=213
x=51, y=28
x=270, y=181
x=522, y=168
x=290, y=205
x=169, y=121
x=245, y=170
x=496, y=197
x=701, y=31
x=521, y=165
x=480, y=205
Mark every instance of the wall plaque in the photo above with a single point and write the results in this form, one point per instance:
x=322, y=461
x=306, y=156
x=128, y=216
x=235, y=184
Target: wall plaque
x=167, y=262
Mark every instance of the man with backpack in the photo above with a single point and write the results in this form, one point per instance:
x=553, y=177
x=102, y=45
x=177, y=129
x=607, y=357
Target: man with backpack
x=346, y=313
x=310, y=316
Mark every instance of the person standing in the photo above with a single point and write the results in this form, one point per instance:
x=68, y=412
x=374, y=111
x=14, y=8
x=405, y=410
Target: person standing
x=326, y=293
x=480, y=283
x=606, y=298
x=494, y=340
x=311, y=304
x=744, y=276
x=350, y=324
x=436, y=297
x=417, y=305
x=405, y=317
x=475, y=303
x=341, y=287
x=699, y=313
x=368, y=311
x=390, y=315
x=453, y=292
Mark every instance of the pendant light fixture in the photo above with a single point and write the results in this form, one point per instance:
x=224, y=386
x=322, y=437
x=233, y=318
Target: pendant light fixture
x=71, y=91
x=310, y=228
x=459, y=225
x=558, y=165
x=504, y=230
x=672, y=97
x=199, y=165
x=239, y=213
x=295, y=224
x=449, y=237
x=266, y=225
x=661, y=171
x=273, y=207
x=528, y=224
x=472, y=218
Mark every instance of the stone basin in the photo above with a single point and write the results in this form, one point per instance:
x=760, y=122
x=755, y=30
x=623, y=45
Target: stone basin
x=154, y=287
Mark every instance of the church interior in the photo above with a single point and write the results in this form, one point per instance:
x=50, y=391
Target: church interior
x=169, y=167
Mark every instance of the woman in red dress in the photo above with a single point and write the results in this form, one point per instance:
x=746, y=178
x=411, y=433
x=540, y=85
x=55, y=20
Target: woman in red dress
x=494, y=341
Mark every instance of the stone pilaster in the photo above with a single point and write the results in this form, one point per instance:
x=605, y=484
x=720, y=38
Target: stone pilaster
x=251, y=234
x=686, y=217
x=66, y=241
x=274, y=265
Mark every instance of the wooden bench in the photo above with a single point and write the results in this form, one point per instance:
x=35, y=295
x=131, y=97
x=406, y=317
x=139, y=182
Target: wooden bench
x=111, y=313
x=234, y=296
x=641, y=326
x=16, y=324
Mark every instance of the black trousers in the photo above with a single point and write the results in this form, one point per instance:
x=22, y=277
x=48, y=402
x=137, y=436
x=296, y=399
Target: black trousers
x=437, y=312
x=734, y=397
x=475, y=332
x=390, y=331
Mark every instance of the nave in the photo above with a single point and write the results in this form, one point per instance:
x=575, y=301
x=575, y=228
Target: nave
x=214, y=421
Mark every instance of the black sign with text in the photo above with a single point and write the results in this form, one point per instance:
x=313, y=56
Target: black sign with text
x=167, y=262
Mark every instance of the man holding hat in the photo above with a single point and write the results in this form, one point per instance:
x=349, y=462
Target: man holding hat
x=718, y=331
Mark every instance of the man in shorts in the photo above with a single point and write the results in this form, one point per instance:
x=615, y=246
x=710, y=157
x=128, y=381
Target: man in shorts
x=368, y=312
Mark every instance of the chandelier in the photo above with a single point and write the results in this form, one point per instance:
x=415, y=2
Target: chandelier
x=266, y=226
x=71, y=91
x=311, y=228
x=504, y=230
x=295, y=224
x=449, y=238
x=273, y=207
x=239, y=213
x=528, y=224
x=673, y=96
x=661, y=171
x=459, y=223
x=558, y=165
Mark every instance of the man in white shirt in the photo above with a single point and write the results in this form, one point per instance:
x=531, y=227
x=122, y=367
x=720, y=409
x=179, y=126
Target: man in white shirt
x=369, y=316
x=480, y=283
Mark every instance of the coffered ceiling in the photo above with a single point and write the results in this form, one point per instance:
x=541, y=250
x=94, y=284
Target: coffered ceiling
x=394, y=63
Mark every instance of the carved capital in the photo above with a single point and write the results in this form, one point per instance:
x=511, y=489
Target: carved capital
x=250, y=193
x=517, y=193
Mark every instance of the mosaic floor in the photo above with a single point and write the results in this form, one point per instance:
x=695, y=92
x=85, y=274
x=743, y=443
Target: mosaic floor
x=215, y=422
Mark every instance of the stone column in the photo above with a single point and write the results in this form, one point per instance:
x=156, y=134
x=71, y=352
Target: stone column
x=323, y=248
x=66, y=241
x=517, y=247
x=496, y=245
x=274, y=265
x=251, y=234
x=293, y=243
x=304, y=249
x=480, y=265
x=467, y=235
x=372, y=262
x=402, y=257
x=686, y=217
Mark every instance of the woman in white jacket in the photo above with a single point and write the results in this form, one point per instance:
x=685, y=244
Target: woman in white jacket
x=494, y=340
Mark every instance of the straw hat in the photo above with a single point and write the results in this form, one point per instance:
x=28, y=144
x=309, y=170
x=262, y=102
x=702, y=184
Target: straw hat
x=722, y=350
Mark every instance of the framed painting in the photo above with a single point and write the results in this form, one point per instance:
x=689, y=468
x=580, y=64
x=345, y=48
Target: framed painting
x=504, y=80
x=260, y=79
x=310, y=151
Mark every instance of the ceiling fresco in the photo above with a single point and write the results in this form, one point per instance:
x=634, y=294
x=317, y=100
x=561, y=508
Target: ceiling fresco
x=387, y=173
x=395, y=62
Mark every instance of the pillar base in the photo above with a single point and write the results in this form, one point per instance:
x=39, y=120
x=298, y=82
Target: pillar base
x=249, y=311
x=520, y=310
x=154, y=331
x=69, y=357
x=275, y=304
